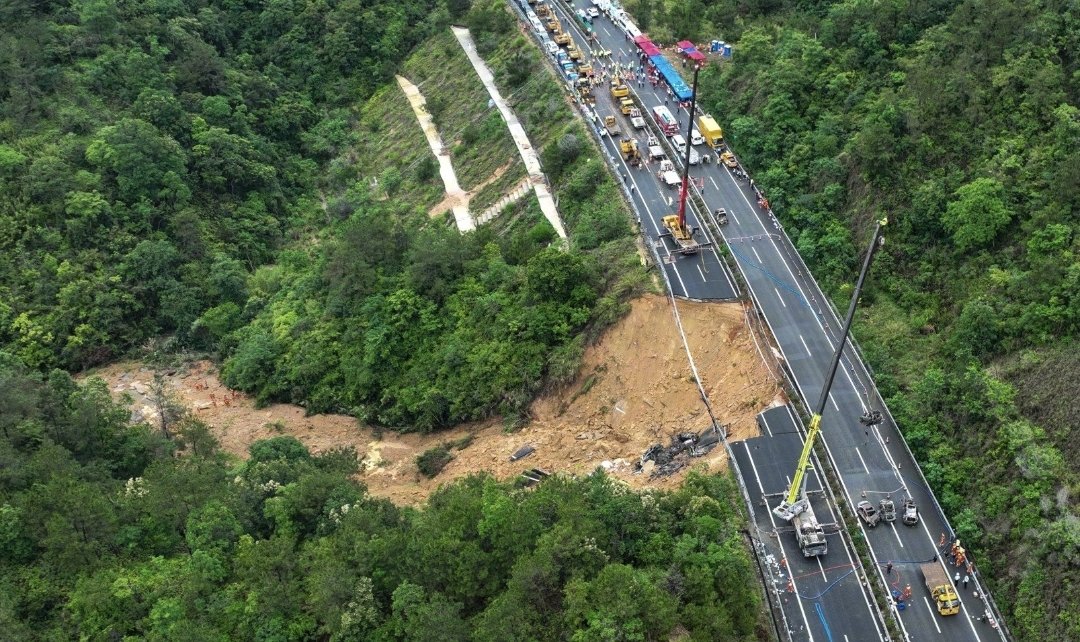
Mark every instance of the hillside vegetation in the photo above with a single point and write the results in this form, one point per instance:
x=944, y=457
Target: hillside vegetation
x=960, y=122
x=213, y=175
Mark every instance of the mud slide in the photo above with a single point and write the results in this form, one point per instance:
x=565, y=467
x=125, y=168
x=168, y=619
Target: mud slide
x=634, y=389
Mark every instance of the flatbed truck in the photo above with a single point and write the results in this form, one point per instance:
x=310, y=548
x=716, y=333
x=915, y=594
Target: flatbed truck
x=937, y=582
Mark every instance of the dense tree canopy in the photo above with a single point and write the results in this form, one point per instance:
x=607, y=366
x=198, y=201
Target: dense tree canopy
x=142, y=144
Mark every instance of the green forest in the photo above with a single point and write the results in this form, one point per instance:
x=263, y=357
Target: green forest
x=960, y=122
x=105, y=534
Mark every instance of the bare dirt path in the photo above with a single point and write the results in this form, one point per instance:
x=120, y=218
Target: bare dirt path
x=466, y=197
x=634, y=389
x=517, y=132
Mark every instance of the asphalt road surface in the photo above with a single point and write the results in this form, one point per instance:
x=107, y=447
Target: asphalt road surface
x=822, y=597
x=701, y=276
x=871, y=463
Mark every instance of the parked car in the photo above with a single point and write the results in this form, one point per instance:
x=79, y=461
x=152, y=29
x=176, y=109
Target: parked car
x=868, y=513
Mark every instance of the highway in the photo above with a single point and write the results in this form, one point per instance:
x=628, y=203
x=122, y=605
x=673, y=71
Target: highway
x=822, y=597
x=870, y=463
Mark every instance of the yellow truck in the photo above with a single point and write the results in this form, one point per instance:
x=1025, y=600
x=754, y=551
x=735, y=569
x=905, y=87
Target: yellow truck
x=710, y=131
x=572, y=49
x=562, y=38
x=937, y=582
x=626, y=105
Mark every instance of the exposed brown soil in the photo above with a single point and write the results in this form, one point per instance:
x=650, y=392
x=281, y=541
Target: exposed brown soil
x=635, y=389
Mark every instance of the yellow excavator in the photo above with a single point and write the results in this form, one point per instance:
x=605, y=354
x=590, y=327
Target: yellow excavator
x=795, y=507
x=619, y=88
x=629, y=149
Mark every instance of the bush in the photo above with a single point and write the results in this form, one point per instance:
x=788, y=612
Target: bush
x=432, y=461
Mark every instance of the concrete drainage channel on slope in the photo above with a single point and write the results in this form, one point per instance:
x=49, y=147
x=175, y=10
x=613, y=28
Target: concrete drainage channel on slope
x=459, y=199
x=521, y=139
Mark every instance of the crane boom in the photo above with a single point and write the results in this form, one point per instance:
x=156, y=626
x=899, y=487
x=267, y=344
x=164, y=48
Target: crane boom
x=795, y=501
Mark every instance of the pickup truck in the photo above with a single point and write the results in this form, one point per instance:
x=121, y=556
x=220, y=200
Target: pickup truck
x=636, y=119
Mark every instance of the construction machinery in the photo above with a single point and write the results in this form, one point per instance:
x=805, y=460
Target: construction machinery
x=542, y=10
x=937, y=582
x=572, y=49
x=553, y=25
x=584, y=89
x=796, y=502
x=629, y=149
x=611, y=125
x=626, y=105
x=562, y=38
x=675, y=224
x=728, y=159
x=585, y=68
x=619, y=88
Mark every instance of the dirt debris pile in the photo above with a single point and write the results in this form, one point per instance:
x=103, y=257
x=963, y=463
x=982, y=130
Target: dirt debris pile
x=634, y=390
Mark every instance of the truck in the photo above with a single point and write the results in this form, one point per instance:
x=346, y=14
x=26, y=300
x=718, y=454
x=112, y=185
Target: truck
x=611, y=125
x=710, y=131
x=937, y=582
x=656, y=151
x=664, y=120
x=808, y=532
x=626, y=105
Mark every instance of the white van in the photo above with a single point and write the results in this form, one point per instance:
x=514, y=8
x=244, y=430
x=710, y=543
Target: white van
x=696, y=138
x=679, y=143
